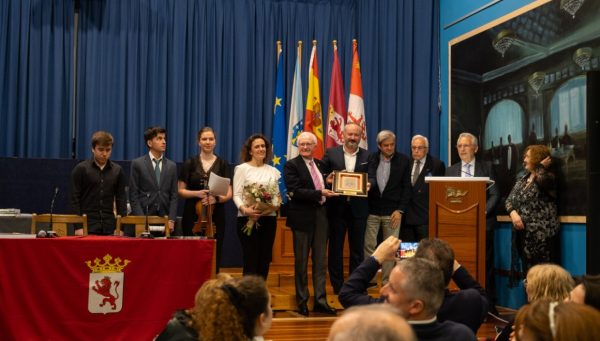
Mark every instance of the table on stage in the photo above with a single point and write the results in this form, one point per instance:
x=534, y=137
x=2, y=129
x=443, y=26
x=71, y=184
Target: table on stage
x=97, y=288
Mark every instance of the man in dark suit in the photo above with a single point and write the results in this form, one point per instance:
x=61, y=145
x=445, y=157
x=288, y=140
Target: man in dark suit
x=345, y=212
x=153, y=179
x=416, y=225
x=307, y=218
x=468, y=166
x=389, y=172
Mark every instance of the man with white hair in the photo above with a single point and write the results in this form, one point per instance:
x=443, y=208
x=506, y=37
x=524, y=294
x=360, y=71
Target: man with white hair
x=307, y=218
x=469, y=166
x=375, y=322
x=416, y=225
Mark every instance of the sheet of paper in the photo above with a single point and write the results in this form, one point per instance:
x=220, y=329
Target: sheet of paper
x=218, y=185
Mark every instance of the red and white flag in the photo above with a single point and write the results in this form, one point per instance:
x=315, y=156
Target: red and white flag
x=336, y=117
x=356, y=105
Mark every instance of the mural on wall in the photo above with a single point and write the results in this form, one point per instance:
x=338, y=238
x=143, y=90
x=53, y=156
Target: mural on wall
x=522, y=81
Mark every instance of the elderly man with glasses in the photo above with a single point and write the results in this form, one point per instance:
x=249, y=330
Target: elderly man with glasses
x=422, y=164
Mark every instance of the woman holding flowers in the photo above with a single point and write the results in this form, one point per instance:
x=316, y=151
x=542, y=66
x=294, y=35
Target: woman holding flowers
x=193, y=186
x=256, y=195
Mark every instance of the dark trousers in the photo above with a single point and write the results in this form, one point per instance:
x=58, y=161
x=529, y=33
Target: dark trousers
x=338, y=225
x=315, y=241
x=414, y=233
x=257, y=247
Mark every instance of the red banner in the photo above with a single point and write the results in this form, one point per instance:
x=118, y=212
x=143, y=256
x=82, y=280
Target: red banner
x=336, y=118
x=97, y=288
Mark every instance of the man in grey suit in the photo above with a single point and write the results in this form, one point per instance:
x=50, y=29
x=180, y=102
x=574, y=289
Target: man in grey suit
x=468, y=166
x=346, y=213
x=153, y=179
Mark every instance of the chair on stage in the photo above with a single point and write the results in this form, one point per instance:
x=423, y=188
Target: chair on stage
x=140, y=223
x=59, y=222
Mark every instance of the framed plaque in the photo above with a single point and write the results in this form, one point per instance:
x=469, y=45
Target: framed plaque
x=350, y=183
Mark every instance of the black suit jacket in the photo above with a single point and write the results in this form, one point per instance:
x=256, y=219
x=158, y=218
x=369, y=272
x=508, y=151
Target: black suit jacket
x=481, y=169
x=418, y=210
x=304, y=198
x=396, y=194
x=142, y=182
x=333, y=161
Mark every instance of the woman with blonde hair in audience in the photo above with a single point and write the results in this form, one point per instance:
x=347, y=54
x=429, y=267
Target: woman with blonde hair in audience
x=548, y=320
x=238, y=309
x=543, y=281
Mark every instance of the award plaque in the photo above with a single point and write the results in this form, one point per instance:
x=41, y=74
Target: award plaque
x=350, y=183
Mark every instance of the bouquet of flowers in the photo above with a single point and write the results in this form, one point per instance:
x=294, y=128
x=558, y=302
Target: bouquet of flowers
x=263, y=198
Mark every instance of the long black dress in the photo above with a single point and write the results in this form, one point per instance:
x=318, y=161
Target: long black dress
x=196, y=179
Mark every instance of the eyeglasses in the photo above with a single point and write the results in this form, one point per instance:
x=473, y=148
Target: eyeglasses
x=305, y=144
x=418, y=147
x=525, y=283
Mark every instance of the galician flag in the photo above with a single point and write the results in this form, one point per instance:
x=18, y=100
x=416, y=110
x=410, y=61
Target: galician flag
x=356, y=106
x=296, y=124
x=336, y=118
x=278, y=135
x=313, y=119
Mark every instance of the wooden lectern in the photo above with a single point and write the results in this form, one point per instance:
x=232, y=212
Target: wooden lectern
x=457, y=215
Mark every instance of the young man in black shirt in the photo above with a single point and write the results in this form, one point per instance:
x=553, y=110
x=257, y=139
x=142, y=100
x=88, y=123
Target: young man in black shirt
x=97, y=185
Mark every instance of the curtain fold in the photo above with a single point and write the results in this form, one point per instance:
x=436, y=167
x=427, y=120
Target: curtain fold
x=35, y=77
x=184, y=64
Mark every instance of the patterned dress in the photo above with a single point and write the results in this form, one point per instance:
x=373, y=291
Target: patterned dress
x=535, y=202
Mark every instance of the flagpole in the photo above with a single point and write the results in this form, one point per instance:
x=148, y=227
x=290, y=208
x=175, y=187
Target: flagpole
x=278, y=48
x=299, y=50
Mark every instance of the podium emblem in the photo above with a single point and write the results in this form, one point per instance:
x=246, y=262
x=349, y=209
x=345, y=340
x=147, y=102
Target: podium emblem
x=105, y=288
x=455, y=195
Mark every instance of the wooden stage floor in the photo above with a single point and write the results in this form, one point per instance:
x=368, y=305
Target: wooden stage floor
x=289, y=325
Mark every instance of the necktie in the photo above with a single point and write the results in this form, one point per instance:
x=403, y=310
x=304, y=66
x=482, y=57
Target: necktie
x=314, y=173
x=468, y=173
x=417, y=171
x=157, y=170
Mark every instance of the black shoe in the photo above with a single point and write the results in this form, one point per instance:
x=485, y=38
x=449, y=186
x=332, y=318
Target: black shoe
x=303, y=309
x=324, y=308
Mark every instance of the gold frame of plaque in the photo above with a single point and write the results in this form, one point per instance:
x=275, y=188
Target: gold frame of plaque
x=350, y=183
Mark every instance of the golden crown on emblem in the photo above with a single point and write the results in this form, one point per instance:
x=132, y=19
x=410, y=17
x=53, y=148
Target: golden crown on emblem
x=107, y=266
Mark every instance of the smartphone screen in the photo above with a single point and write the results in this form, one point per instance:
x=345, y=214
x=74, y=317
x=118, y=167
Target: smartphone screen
x=406, y=250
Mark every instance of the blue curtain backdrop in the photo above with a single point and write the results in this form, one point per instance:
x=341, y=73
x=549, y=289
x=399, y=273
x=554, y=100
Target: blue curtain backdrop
x=184, y=64
x=35, y=77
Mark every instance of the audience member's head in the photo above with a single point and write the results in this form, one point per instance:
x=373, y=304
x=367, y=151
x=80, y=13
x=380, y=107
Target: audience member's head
x=548, y=320
x=587, y=291
x=374, y=322
x=235, y=309
x=548, y=281
x=415, y=288
x=439, y=252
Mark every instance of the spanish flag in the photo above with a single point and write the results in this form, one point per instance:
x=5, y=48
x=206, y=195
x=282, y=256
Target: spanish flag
x=313, y=119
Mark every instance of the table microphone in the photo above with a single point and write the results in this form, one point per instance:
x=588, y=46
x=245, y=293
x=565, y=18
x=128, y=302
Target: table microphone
x=51, y=233
x=146, y=233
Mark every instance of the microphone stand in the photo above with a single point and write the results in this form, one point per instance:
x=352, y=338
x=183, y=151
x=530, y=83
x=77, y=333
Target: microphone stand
x=146, y=234
x=51, y=232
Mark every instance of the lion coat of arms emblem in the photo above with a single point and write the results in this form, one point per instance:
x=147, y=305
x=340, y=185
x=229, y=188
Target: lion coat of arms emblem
x=105, y=289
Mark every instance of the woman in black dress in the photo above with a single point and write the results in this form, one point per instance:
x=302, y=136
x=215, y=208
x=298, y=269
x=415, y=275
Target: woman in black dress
x=532, y=208
x=193, y=186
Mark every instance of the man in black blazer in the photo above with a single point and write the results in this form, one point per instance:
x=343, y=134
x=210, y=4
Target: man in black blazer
x=345, y=212
x=389, y=195
x=154, y=191
x=416, y=225
x=468, y=166
x=307, y=218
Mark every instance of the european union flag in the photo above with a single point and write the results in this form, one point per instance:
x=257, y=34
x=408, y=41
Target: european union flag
x=279, y=131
